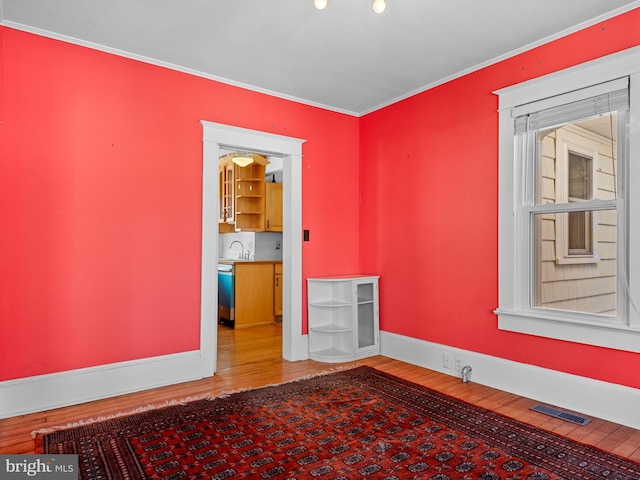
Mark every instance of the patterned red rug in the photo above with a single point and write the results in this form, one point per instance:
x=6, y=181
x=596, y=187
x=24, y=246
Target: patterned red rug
x=359, y=423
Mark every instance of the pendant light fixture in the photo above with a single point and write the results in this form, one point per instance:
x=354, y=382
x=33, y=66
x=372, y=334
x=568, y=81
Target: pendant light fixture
x=242, y=159
x=379, y=6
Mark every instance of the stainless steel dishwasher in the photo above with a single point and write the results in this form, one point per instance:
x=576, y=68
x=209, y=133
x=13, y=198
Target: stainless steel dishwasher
x=226, y=294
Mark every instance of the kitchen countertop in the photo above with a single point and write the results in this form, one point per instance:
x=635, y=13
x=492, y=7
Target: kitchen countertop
x=231, y=261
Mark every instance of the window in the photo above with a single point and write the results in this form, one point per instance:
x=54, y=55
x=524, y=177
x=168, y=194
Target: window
x=568, y=159
x=576, y=166
x=573, y=164
x=580, y=227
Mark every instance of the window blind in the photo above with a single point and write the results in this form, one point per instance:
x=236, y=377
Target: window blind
x=570, y=112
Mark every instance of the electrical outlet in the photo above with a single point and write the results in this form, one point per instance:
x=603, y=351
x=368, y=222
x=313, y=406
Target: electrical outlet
x=458, y=363
x=277, y=244
x=447, y=360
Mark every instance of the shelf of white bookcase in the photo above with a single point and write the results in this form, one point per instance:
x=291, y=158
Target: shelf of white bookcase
x=330, y=304
x=331, y=328
x=330, y=355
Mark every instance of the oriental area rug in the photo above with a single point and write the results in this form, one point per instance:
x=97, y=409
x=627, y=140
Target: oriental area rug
x=351, y=424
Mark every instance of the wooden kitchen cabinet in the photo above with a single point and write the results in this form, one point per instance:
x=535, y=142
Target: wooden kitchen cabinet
x=226, y=217
x=242, y=195
x=273, y=219
x=277, y=289
x=250, y=196
x=254, y=294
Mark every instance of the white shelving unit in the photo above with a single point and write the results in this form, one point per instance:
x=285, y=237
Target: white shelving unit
x=343, y=317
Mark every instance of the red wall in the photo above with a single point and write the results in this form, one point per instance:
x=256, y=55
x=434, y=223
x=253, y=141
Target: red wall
x=100, y=202
x=101, y=169
x=429, y=184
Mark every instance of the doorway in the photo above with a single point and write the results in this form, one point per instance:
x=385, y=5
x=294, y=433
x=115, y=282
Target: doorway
x=258, y=336
x=217, y=137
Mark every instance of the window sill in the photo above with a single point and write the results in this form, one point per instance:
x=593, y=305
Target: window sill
x=577, y=260
x=619, y=337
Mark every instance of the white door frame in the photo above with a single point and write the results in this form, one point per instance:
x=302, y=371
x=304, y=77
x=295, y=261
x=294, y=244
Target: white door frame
x=218, y=136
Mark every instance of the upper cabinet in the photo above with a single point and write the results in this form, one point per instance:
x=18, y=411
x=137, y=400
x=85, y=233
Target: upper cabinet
x=226, y=217
x=273, y=221
x=242, y=194
x=250, y=196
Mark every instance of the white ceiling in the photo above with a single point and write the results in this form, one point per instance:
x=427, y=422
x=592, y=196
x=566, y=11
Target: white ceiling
x=345, y=58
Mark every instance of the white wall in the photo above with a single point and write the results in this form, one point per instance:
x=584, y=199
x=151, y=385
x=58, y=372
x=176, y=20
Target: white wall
x=261, y=245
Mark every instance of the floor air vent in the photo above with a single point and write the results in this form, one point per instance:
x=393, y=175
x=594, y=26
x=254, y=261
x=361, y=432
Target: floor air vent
x=554, y=412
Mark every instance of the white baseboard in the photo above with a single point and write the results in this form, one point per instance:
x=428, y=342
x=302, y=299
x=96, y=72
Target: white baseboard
x=594, y=398
x=44, y=392
x=590, y=397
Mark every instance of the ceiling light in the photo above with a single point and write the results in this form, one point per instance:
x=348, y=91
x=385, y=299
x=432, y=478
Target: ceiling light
x=242, y=159
x=320, y=4
x=379, y=6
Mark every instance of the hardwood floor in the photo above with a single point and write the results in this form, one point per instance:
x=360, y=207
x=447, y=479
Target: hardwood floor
x=252, y=357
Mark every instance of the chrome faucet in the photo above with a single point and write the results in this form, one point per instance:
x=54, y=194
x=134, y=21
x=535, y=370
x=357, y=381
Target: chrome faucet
x=241, y=256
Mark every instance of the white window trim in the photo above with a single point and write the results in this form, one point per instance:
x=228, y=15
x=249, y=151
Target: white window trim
x=514, y=312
